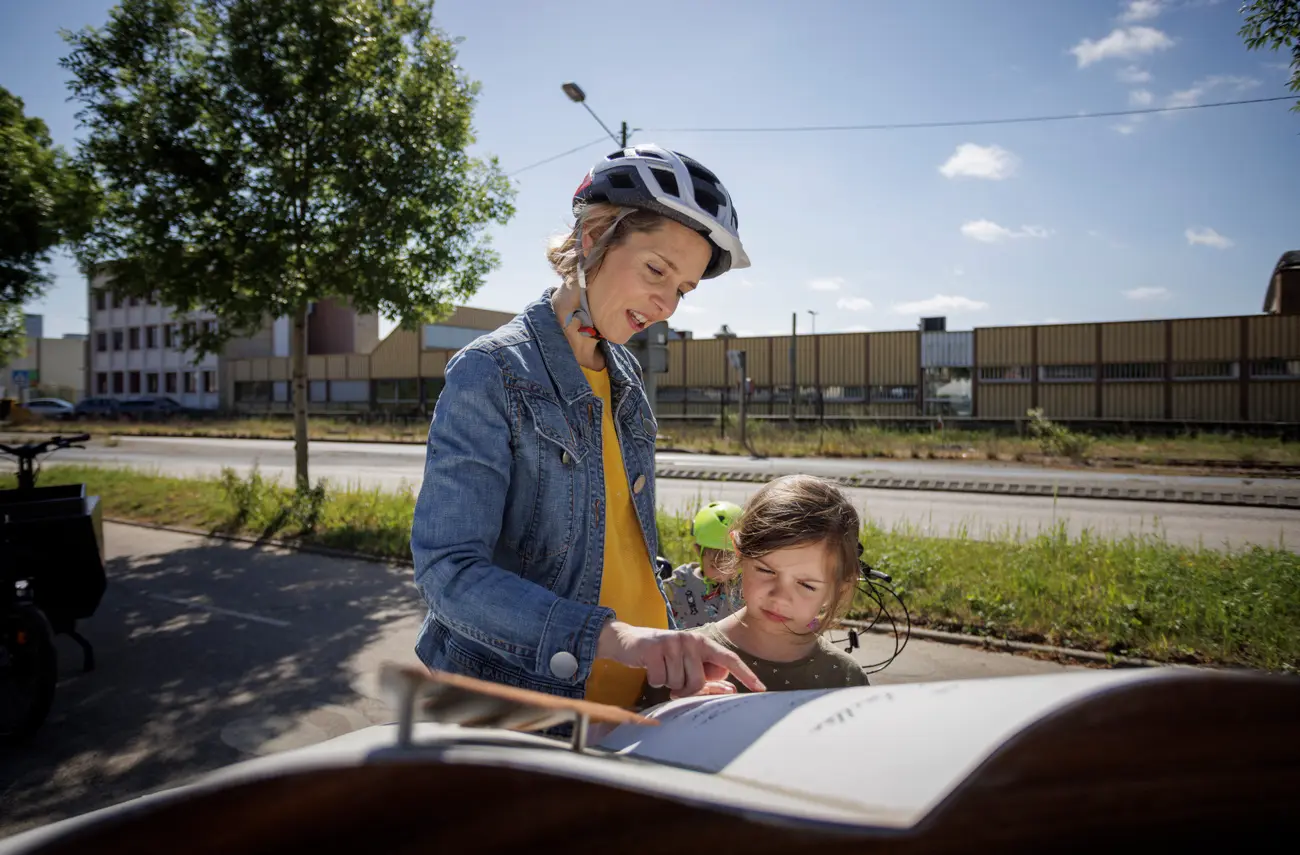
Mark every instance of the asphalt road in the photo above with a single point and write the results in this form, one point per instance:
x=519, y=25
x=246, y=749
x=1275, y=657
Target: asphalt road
x=398, y=467
x=211, y=651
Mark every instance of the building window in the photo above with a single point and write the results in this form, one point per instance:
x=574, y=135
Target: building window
x=101, y=342
x=190, y=382
x=133, y=337
x=169, y=336
x=209, y=327
x=151, y=337
x=209, y=381
x=117, y=340
x=101, y=300
x=135, y=301
x=405, y=391
x=119, y=383
x=169, y=382
x=256, y=392
x=1067, y=373
x=134, y=382
x=893, y=394
x=1205, y=370
x=151, y=383
x=1005, y=373
x=101, y=383
x=1275, y=369
x=1133, y=371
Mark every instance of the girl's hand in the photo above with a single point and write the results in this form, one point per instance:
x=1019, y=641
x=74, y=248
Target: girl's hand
x=684, y=662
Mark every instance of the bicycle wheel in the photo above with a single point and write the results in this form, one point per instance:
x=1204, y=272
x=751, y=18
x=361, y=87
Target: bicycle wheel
x=29, y=670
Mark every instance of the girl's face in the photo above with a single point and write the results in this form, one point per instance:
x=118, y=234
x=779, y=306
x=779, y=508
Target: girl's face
x=642, y=280
x=786, y=589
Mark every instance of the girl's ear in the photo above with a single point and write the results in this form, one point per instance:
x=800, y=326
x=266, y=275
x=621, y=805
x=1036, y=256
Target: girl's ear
x=587, y=240
x=735, y=539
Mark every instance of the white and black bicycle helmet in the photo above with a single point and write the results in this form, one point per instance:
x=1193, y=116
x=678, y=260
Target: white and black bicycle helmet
x=675, y=186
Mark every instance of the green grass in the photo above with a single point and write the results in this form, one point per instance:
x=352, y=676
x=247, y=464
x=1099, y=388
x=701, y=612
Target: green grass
x=1136, y=596
x=777, y=439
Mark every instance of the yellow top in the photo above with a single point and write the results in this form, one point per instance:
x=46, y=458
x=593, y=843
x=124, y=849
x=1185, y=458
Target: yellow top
x=628, y=584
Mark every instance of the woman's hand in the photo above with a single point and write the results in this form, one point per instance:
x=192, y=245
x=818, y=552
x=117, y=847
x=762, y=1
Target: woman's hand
x=686, y=663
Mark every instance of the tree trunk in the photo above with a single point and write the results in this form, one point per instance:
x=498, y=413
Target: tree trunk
x=298, y=368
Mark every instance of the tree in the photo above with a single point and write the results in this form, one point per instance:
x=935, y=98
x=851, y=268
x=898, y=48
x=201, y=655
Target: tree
x=45, y=201
x=1275, y=24
x=258, y=157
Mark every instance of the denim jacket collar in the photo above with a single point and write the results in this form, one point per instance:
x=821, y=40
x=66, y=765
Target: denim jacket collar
x=561, y=362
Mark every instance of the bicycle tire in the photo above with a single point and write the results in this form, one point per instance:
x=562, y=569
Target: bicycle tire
x=30, y=639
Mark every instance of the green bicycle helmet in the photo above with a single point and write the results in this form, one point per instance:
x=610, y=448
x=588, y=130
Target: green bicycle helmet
x=712, y=525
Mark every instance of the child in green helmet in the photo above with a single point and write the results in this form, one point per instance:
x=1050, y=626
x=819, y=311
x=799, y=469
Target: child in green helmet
x=701, y=593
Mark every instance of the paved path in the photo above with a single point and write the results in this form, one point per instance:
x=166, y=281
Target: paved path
x=399, y=467
x=211, y=651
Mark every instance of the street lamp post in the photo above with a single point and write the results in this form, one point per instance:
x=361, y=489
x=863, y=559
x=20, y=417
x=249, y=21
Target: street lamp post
x=577, y=96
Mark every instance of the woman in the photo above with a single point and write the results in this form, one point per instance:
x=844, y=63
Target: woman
x=534, y=530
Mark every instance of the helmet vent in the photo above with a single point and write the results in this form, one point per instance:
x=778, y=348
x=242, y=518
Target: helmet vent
x=667, y=181
x=621, y=181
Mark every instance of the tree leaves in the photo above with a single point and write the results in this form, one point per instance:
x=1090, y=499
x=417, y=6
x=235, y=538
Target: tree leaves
x=1274, y=24
x=45, y=201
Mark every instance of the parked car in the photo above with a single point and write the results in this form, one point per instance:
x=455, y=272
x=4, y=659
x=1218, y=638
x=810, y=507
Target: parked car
x=151, y=408
x=51, y=408
x=97, y=408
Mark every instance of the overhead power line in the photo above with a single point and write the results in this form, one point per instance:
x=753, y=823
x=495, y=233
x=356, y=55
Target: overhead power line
x=574, y=150
x=896, y=126
x=899, y=126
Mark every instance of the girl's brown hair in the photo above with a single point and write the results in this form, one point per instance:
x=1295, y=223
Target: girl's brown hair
x=596, y=220
x=797, y=510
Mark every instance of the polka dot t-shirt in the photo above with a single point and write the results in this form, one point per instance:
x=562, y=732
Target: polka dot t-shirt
x=826, y=667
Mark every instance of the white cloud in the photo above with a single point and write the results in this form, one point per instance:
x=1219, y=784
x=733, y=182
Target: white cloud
x=978, y=161
x=1133, y=75
x=1126, y=43
x=1207, y=237
x=853, y=304
x=690, y=309
x=1052, y=321
x=940, y=303
x=1141, y=10
x=830, y=283
x=987, y=231
x=857, y=328
x=958, y=271
x=1192, y=96
x=1128, y=127
x=1148, y=293
x=1141, y=98
x=744, y=283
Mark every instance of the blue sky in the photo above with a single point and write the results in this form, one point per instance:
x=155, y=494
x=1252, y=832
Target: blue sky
x=1170, y=215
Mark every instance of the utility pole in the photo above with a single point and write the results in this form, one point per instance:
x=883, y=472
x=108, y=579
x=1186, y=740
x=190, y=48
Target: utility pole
x=623, y=135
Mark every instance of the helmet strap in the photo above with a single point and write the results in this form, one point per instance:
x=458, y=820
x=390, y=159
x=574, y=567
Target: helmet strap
x=586, y=323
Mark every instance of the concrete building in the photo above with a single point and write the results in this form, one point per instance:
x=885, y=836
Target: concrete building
x=46, y=368
x=135, y=346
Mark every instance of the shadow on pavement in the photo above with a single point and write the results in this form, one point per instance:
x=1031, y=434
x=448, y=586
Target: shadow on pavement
x=170, y=677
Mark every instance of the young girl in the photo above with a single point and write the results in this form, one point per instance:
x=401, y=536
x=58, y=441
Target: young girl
x=701, y=592
x=797, y=556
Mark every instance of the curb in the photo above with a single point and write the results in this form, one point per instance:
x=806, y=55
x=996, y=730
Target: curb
x=1009, y=646
x=986, y=642
x=1272, y=498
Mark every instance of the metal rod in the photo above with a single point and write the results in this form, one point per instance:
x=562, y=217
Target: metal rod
x=580, y=732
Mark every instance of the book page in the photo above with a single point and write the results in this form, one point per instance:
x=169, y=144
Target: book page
x=894, y=750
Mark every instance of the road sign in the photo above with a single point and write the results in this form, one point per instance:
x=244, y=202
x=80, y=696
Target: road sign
x=22, y=378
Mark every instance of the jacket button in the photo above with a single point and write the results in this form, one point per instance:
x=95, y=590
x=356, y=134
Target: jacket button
x=564, y=665
x=638, y=485
x=566, y=458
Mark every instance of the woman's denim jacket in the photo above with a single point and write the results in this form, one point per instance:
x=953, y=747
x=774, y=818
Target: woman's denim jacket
x=509, y=530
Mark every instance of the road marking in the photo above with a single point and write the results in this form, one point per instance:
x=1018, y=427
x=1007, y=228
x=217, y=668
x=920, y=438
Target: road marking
x=220, y=611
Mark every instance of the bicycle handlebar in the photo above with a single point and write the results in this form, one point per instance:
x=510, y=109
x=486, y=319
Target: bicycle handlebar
x=32, y=449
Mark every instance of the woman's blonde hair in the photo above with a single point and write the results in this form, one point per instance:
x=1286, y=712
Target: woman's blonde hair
x=596, y=219
x=798, y=510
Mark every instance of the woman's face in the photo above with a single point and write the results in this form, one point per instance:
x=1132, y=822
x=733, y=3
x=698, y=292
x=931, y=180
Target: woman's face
x=641, y=281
